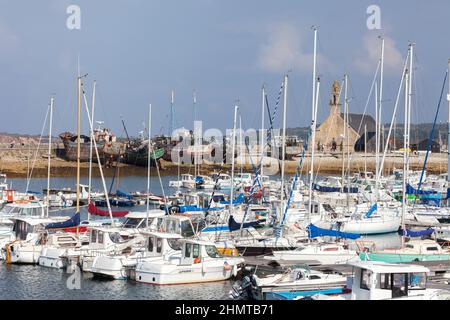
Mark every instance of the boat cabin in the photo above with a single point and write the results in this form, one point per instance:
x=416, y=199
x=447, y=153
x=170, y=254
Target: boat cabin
x=137, y=219
x=194, y=251
x=176, y=225
x=375, y=280
x=30, y=209
x=25, y=228
x=103, y=238
x=158, y=244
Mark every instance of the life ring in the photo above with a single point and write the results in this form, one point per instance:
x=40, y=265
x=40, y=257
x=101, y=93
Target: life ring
x=196, y=260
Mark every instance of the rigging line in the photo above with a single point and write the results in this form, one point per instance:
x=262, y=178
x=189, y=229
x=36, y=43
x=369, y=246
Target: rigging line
x=393, y=117
x=294, y=183
x=368, y=101
x=430, y=140
x=39, y=144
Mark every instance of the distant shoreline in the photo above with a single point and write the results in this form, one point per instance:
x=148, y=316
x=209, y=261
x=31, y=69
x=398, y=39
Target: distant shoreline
x=324, y=164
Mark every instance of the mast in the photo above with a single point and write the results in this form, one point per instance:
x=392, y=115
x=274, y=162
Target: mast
x=448, y=131
x=172, y=115
x=411, y=57
x=233, y=146
x=405, y=154
x=283, y=142
x=380, y=100
x=78, y=143
x=52, y=100
x=240, y=144
x=346, y=128
x=365, y=151
x=90, y=149
x=377, y=142
x=313, y=112
x=148, y=160
x=262, y=140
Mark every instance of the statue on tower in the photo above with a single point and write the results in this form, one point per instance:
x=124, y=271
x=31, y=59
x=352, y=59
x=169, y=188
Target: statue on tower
x=335, y=94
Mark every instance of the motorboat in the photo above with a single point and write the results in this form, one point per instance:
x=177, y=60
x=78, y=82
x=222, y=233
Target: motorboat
x=197, y=262
x=317, y=253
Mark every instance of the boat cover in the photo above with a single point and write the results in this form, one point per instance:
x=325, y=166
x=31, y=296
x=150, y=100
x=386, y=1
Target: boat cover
x=72, y=222
x=413, y=234
x=315, y=231
x=240, y=199
x=92, y=209
x=124, y=194
x=234, y=225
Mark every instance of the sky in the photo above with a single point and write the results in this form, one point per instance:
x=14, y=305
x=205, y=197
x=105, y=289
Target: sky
x=138, y=51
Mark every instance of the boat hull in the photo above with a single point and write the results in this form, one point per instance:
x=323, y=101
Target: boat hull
x=397, y=257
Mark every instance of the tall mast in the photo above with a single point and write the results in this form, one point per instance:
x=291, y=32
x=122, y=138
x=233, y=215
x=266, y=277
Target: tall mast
x=262, y=138
x=365, y=151
x=52, y=100
x=194, y=102
x=233, y=146
x=377, y=142
x=380, y=100
x=448, y=133
x=240, y=144
x=405, y=153
x=313, y=112
x=148, y=160
x=283, y=142
x=346, y=128
x=90, y=147
x=410, y=76
x=172, y=114
x=78, y=143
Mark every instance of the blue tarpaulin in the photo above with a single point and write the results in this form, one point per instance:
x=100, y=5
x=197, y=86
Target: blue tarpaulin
x=184, y=209
x=233, y=225
x=72, y=222
x=411, y=190
x=240, y=198
x=414, y=234
x=124, y=194
x=319, y=232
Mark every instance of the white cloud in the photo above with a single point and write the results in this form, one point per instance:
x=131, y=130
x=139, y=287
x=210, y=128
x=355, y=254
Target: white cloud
x=367, y=60
x=285, y=50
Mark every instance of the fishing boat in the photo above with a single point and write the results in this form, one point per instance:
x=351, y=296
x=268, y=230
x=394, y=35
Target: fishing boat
x=137, y=154
x=197, y=262
x=122, y=266
x=27, y=241
x=107, y=144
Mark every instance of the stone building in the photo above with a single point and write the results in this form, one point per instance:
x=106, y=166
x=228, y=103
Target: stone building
x=330, y=133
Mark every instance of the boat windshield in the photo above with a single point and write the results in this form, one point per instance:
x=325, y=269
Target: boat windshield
x=175, y=244
x=417, y=281
x=212, y=251
x=116, y=237
x=9, y=209
x=132, y=223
